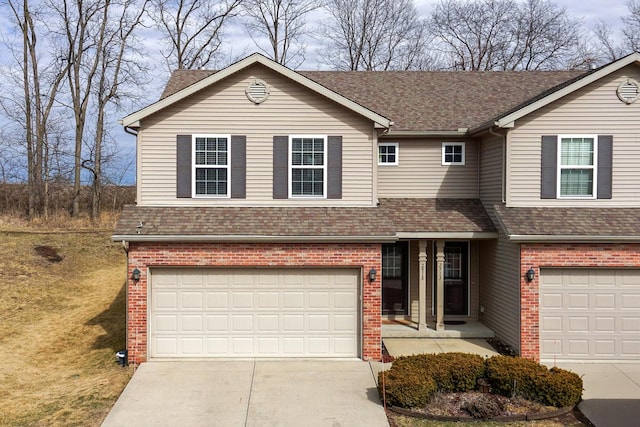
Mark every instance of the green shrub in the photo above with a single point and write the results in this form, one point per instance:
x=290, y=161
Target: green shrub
x=559, y=388
x=406, y=388
x=511, y=376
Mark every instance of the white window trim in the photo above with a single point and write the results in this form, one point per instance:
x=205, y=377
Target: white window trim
x=464, y=151
x=324, y=167
x=389, y=144
x=194, y=166
x=594, y=167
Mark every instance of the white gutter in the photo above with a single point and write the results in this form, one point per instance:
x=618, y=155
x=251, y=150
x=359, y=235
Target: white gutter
x=570, y=238
x=249, y=238
x=466, y=235
x=432, y=133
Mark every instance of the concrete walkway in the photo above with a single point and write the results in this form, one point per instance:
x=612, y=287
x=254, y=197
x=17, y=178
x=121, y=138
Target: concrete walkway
x=250, y=393
x=611, y=394
x=408, y=346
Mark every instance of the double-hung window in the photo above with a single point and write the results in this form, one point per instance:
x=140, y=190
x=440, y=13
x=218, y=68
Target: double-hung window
x=388, y=153
x=308, y=166
x=453, y=153
x=211, y=165
x=577, y=169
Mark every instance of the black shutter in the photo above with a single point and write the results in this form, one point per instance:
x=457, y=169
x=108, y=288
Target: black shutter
x=183, y=166
x=238, y=167
x=280, y=167
x=605, y=160
x=549, y=167
x=334, y=167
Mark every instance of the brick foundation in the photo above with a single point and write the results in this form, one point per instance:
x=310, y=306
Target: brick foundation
x=364, y=256
x=561, y=255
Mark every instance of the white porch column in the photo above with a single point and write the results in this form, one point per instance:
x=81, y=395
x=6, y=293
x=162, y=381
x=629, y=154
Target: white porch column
x=422, y=284
x=440, y=285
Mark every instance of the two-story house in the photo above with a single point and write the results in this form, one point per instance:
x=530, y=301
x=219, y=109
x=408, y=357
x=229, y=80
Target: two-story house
x=285, y=214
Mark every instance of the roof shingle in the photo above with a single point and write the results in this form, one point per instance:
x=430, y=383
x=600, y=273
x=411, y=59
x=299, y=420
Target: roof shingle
x=425, y=100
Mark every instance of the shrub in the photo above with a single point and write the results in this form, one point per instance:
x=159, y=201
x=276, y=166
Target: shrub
x=406, y=388
x=483, y=407
x=560, y=388
x=511, y=376
x=451, y=371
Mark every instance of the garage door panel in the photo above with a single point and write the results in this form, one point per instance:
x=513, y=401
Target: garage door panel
x=259, y=313
x=599, y=318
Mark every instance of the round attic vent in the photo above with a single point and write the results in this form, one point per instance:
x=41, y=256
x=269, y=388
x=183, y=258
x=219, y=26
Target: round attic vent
x=628, y=91
x=257, y=91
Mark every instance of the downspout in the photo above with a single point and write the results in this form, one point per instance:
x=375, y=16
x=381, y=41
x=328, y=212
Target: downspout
x=503, y=172
x=125, y=247
x=130, y=131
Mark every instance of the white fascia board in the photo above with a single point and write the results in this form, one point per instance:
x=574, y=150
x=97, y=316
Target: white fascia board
x=256, y=58
x=507, y=121
x=570, y=239
x=418, y=134
x=449, y=235
x=250, y=238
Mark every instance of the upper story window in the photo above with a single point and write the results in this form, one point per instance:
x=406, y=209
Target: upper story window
x=308, y=166
x=577, y=166
x=211, y=159
x=388, y=153
x=453, y=153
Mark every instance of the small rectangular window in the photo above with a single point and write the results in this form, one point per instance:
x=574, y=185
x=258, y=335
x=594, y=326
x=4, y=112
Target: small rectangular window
x=388, y=153
x=577, y=159
x=453, y=153
x=211, y=165
x=307, y=173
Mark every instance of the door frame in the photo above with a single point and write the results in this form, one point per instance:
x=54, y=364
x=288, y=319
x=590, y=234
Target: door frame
x=467, y=278
x=406, y=251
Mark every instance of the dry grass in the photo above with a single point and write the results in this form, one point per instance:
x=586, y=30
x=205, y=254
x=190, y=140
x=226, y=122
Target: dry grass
x=62, y=313
x=402, y=421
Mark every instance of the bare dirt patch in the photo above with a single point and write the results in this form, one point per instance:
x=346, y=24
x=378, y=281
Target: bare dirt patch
x=48, y=253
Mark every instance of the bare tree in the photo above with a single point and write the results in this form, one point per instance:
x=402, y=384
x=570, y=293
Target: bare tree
x=283, y=23
x=193, y=29
x=631, y=27
x=39, y=85
x=374, y=35
x=505, y=34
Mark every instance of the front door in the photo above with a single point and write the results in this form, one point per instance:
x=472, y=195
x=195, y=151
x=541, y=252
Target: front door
x=394, y=278
x=456, y=289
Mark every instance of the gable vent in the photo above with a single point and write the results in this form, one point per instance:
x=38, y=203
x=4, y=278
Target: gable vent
x=257, y=91
x=628, y=91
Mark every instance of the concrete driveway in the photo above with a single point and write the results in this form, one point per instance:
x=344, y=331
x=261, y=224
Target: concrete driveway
x=250, y=393
x=611, y=392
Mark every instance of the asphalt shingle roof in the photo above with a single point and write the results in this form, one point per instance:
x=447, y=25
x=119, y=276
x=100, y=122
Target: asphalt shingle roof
x=425, y=100
x=392, y=216
x=437, y=215
x=596, y=222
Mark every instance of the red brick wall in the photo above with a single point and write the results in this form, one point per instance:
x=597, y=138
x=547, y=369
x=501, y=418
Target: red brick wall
x=143, y=256
x=561, y=255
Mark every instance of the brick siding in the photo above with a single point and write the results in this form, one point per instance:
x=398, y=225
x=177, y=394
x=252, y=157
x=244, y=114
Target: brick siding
x=145, y=255
x=561, y=255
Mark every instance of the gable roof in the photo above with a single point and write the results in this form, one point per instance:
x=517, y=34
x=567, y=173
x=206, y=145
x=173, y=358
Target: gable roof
x=133, y=120
x=569, y=224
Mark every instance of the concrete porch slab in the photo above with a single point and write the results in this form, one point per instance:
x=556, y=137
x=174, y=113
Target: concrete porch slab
x=470, y=329
x=409, y=346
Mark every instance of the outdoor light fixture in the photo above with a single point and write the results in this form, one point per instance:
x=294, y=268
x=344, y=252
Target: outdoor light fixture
x=372, y=275
x=531, y=274
x=135, y=274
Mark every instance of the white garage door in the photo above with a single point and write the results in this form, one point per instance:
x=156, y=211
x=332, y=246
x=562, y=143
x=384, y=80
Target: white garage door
x=254, y=313
x=589, y=314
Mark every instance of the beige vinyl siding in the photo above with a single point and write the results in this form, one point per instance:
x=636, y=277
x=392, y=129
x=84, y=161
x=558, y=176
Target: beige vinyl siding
x=500, y=289
x=594, y=109
x=224, y=109
x=491, y=164
x=420, y=173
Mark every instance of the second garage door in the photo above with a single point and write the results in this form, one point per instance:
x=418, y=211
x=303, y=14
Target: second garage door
x=590, y=314
x=225, y=312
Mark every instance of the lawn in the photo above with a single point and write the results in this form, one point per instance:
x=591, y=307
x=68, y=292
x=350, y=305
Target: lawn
x=62, y=317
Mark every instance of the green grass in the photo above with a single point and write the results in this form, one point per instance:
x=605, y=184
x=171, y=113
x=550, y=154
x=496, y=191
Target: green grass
x=61, y=322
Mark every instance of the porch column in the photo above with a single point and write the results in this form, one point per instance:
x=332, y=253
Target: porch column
x=440, y=285
x=422, y=285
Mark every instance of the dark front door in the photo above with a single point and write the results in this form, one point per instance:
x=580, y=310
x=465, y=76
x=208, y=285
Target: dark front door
x=456, y=283
x=394, y=278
